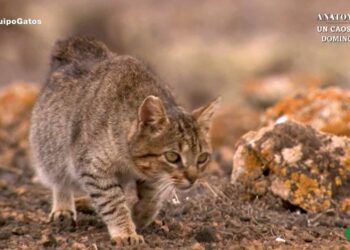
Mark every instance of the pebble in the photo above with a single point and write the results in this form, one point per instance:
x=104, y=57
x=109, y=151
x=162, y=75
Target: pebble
x=78, y=246
x=307, y=237
x=197, y=246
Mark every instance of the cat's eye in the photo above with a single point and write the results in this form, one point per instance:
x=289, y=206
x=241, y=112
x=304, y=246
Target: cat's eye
x=172, y=157
x=203, y=158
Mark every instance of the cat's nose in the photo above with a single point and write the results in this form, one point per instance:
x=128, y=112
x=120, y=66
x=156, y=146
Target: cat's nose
x=191, y=178
x=191, y=174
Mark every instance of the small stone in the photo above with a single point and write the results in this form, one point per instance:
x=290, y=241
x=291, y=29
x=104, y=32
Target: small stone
x=165, y=228
x=158, y=222
x=197, y=246
x=78, y=246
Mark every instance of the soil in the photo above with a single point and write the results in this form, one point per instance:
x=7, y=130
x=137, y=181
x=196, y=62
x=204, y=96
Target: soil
x=218, y=216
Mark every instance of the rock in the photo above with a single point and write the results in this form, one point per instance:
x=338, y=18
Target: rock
x=327, y=110
x=16, y=102
x=307, y=168
x=223, y=157
x=231, y=122
x=266, y=91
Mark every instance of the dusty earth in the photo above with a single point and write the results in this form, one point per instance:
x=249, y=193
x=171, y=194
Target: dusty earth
x=216, y=217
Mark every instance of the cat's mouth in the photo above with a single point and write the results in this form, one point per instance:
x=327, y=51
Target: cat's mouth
x=185, y=186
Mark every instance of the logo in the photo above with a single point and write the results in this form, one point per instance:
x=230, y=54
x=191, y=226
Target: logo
x=333, y=17
x=333, y=27
x=347, y=233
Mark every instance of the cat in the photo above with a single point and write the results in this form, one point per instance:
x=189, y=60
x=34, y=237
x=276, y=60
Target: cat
x=103, y=120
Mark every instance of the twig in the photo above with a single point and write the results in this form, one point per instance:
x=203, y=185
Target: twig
x=216, y=192
x=12, y=170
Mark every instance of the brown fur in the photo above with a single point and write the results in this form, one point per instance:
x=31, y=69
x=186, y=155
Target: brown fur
x=103, y=120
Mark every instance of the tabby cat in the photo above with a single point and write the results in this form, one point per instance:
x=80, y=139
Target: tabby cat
x=103, y=120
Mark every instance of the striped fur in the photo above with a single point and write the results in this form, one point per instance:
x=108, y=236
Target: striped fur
x=103, y=120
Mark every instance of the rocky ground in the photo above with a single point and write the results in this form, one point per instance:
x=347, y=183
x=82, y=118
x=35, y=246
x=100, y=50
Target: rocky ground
x=215, y=215
x=219, y=217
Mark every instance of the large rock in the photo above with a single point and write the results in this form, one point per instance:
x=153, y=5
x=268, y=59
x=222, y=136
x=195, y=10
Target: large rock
x=266, y=91
x=16, y=102
x=307, y=168
x=327, y=110
x=231, y=122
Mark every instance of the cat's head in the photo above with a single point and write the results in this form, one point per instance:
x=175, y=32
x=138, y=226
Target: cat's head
x=173, y=144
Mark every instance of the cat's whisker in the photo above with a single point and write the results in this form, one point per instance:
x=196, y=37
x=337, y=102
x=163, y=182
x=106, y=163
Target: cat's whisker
x=205, y=184
x=215, y=191
x=164, y=185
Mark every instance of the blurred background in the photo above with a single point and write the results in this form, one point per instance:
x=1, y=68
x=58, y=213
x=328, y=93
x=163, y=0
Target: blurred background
x=250, y=52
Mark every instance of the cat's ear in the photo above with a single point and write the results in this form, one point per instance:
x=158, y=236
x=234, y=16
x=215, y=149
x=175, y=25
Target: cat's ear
x=204, y=115
x=152, y=114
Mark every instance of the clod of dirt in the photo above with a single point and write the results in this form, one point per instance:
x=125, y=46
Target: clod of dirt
x=64, y=224
x=4, y=235
x=2, y=221
x=327, y=110
x=305, y=167
x=206, y=234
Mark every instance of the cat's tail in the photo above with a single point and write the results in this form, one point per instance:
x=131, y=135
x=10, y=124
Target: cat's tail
x=75, y=50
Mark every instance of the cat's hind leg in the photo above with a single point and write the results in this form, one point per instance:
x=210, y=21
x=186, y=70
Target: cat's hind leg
x=63, y=211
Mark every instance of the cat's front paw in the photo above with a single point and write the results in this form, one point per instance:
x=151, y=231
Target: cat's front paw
x=62, y=218
x=128, y=240
x=142, y=217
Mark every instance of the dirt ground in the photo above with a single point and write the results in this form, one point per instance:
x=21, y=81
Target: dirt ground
x=215, y=217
